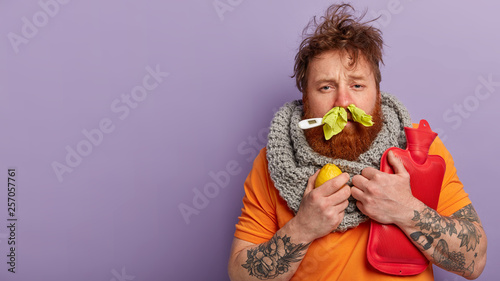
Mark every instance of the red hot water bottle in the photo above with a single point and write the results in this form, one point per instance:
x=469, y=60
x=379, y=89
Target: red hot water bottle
x=389, y=249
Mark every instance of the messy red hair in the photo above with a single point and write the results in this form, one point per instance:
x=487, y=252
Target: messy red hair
x=339, y=30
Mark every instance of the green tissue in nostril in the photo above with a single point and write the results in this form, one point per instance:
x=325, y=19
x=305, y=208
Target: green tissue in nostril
x=335, y=120
x=359, y=115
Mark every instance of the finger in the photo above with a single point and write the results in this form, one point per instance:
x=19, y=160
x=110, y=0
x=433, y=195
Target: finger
x=396, y=163
x=345, y=205
x=333, y=185
x=361, y=207
x=342, y=206
x=310, y=183
x=369, y=172
x=357, y=193
x=360, y=182
x=340, y=196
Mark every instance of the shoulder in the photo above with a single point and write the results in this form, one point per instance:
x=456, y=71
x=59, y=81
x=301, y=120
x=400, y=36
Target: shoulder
x=259, y=177
x=260, y=161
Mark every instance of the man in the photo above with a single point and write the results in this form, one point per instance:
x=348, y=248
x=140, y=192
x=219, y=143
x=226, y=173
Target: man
x=289, y=230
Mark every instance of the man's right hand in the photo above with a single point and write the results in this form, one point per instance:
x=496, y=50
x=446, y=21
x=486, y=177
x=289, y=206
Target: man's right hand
x=322, y=208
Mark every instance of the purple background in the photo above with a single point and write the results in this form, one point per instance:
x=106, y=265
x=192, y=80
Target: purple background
x=117, y=212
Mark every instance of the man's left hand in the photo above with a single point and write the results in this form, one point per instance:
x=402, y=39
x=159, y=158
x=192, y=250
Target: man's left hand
x=384, y=197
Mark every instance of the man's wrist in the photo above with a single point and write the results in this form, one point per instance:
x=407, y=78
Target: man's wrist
x=293, y=230
x=405, y=217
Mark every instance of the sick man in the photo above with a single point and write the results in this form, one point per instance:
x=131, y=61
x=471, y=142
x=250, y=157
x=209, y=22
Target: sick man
x=289, y=230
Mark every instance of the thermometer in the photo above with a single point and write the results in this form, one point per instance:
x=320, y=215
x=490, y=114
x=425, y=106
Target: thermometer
x=310, y=123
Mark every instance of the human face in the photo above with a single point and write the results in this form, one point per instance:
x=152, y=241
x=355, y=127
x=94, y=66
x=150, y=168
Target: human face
x=333, y=82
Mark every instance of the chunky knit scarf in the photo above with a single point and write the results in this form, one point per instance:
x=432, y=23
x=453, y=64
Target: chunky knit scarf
x=292, y=161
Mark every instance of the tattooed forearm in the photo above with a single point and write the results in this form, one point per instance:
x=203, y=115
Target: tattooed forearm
x=452, y=261
x=435, y=224
x=460, y=226
x=274, y=257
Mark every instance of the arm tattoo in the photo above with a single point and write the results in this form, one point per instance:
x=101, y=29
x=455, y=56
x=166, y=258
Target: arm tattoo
x=469, y=234
x=274, y=257
x=468, y=212
x=433, y=226
x=452, y=261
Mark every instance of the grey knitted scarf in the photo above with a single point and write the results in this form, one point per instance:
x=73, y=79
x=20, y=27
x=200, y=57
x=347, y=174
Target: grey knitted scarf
x=292, y=161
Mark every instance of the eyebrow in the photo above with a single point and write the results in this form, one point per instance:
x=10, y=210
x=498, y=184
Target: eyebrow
x=357, y=77
x=331, y=80
x=326, y=80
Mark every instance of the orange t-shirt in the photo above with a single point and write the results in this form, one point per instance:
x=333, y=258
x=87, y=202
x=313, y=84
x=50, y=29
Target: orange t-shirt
x=336, y=256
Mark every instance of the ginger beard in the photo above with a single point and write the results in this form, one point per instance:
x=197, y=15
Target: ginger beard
x=348, y=144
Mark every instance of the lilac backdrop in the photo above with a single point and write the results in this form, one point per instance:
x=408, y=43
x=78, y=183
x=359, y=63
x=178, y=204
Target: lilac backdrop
x=161, y=98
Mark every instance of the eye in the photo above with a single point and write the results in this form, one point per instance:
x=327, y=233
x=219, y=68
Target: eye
x=358, y=86
x=326, y=88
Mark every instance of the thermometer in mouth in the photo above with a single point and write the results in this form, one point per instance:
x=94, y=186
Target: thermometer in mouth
x=310, y=123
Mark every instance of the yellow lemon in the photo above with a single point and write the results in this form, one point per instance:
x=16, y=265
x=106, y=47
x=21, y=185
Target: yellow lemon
x=329, y=171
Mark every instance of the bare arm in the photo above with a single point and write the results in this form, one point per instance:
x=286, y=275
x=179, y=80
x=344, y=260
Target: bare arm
x=277, y=259
x=456, y=243
x=320, y=212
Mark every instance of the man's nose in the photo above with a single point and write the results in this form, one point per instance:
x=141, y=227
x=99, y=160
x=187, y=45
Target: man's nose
x=343, y=97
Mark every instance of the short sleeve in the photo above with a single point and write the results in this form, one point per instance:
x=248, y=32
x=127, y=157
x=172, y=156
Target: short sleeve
x=258, y=222
x=453, y=196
